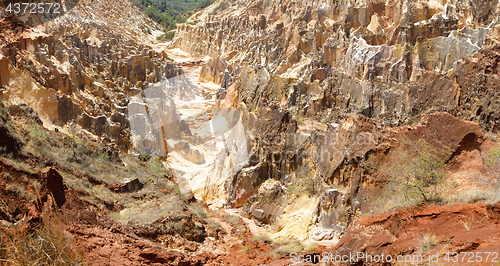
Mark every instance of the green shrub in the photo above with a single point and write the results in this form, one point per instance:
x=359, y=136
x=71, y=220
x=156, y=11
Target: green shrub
x=205, y=3
x=168, y=13
x=79, y=148
x=221, y=7
x=246, y=248
x=155, y=166
x=166, y=36
x=418, y=175
x=38, y=136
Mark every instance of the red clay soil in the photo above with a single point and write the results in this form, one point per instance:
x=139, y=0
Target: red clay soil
x=470, y=227
x=104, y=241
x=93, y=233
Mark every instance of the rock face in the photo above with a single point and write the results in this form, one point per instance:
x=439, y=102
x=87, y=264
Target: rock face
x=275, y=154
x=390, y=60
x=332, y=216
x=77, y=70
x=213, y=70
x=325, y=90
x=10, y=141
x=476, y=81
x=189, y=153
x=299, y=65
x=264, y=206
x=396, y=231
x=341, y=167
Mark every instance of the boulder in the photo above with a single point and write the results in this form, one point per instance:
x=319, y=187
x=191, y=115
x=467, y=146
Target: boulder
x=52, y=183
x=128, y=185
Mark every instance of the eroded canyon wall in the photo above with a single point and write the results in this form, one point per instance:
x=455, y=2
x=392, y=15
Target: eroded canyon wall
x=83, y=67
x=390, y=60
x=327, y=87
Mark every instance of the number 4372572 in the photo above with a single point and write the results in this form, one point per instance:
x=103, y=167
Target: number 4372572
x=34, y=8
x=471, y=257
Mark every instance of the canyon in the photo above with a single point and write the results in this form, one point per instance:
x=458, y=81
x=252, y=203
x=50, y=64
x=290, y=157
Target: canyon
x=263, y=128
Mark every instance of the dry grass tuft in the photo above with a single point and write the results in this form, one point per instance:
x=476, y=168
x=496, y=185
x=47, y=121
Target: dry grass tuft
x=428, y=242
x=287, y=247
x=491, y=196
x=246, y=248
x=43, y=245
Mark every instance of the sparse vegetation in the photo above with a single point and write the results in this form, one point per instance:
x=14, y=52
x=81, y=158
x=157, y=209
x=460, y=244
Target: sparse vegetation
x=466, y=226
x=166, y=36
x=234, y=220
x=491, y=195
x=492, y=161
x=89, y=165
x=325, y=118
x=169, y=12
x=246, y=248
x=36, y=184
x=221, y=7
x=417, y=177
x=104, y=157
x=17, y=190
x=304, y=183
x=37, y=135
x=288, y=247
x=237, y=223
x=421, y=174
x=45, y=245
x=20, y=191
x=7, y=176
x=298, y=115
x=147, y=30
x=198, y=211
x=475, y=195
x=155, y=166
x=263, y=237
x=428, y=242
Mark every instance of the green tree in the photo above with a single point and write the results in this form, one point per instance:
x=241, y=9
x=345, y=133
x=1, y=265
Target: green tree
x=169, y=12
x=419, y=173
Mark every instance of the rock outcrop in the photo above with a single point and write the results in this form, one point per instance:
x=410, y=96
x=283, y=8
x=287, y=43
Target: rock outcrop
x=319, y=100
x=10, y=141
x=390, y=60
x=409, y=231
x=85, y=71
